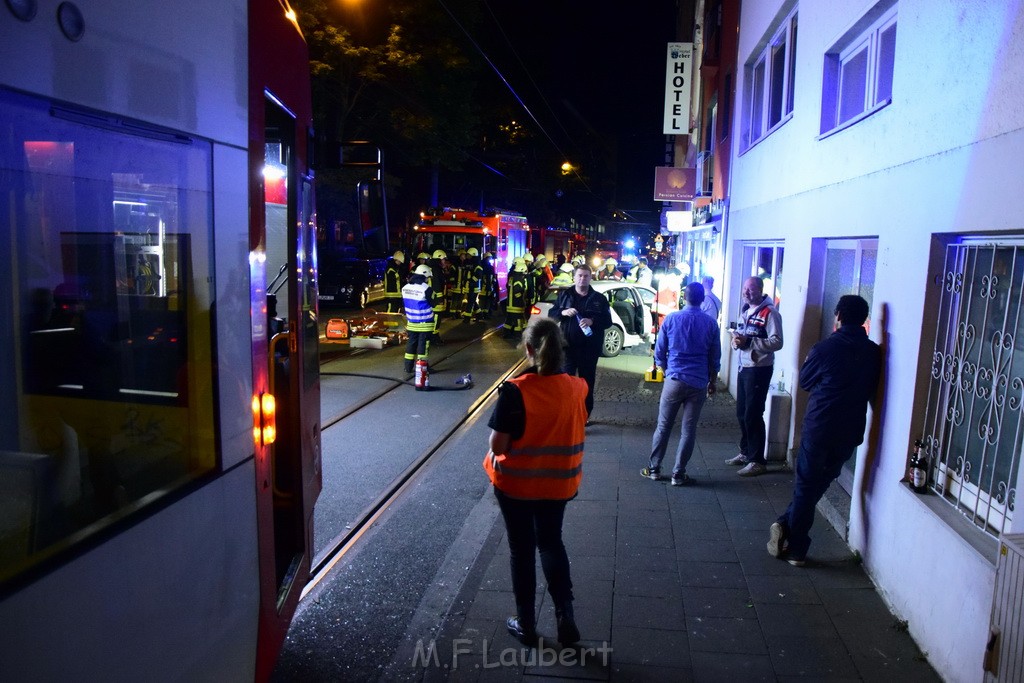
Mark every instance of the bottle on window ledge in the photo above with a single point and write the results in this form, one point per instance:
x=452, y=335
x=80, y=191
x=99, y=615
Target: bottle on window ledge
x=918, y=469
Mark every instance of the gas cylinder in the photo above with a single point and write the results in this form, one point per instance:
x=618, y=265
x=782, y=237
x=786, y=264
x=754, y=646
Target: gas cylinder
x=422, y=375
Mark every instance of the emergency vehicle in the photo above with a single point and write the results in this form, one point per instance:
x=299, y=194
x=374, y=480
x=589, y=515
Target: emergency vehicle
x=551, y=241
x=605, y=249
x=501, y=233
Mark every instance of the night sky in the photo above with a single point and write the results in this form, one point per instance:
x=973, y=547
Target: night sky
x=596, y=67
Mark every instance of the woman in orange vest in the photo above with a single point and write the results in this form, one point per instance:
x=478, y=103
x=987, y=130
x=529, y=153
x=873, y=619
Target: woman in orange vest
x=535, y=462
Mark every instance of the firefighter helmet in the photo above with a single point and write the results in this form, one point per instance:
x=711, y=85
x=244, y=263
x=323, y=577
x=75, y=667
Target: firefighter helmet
x=422, y=255
x=566, y=268
x=579, y=260
x=439, y=254
x=423, y=269
x=473, y=251
x=519, y=265
x=611, y=262
x=528, y=257
x=399, y=257
x=541, y=261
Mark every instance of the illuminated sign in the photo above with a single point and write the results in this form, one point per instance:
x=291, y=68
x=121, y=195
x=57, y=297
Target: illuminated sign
x=673, y=184
x=677, y=88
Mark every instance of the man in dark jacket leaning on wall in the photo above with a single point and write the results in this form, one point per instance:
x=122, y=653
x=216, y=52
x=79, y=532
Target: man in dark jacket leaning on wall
x=841, y=372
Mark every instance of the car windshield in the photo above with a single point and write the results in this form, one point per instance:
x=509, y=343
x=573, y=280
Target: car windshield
x=343, y=268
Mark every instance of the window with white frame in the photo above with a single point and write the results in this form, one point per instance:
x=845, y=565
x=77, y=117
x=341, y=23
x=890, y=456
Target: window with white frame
x=974, y=424
x=769, y=78
x=858, y=69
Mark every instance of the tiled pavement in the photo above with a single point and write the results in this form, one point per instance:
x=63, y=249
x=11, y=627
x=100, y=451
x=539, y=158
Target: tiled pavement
x=675, y=584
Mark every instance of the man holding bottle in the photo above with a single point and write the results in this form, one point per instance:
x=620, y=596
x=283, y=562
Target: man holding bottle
x=757, y=338
x=584, y=315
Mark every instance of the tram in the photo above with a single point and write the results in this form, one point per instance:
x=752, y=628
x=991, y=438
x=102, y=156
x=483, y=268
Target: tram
x=160, y=435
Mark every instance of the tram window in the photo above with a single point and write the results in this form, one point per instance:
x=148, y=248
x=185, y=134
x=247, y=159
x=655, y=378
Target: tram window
x=108, y=248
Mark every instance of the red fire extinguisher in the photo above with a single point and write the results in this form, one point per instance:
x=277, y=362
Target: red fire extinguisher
x=422, y=375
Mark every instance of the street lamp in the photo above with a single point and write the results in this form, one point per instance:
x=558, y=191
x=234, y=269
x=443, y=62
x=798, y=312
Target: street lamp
x=567, y=168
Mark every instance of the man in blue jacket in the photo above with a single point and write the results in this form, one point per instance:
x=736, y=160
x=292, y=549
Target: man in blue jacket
x=841, y=372
x=689, y=350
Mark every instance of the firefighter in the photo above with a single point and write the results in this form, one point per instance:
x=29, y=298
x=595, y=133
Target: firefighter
x=393, y=283
x=471, y=285
x=451, y=285
x=578, y=260
x=609, y=270
x=517, y=306
x=455, y=300
x=488, y=285
x=439, y=283
x=541, y=276
x=419, y=316
x=531, y=294
x=564, y=277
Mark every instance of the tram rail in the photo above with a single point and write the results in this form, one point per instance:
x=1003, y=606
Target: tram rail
x=342, y=543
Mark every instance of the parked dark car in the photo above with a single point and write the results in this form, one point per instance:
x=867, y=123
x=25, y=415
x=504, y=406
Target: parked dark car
x=351, y=281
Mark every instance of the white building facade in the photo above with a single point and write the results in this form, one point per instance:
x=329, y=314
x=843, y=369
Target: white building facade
x=879, y=149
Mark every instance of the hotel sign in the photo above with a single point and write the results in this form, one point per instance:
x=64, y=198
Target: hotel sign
x=677, y=88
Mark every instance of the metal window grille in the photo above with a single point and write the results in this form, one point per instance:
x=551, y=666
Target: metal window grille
x=974, y=423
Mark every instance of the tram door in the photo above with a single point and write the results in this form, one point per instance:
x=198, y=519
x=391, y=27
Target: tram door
x=289, y=476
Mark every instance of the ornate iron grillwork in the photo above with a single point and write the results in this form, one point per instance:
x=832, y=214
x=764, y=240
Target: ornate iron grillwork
x=974, y=424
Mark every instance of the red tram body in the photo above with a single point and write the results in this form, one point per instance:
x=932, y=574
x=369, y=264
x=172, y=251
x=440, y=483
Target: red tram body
x=160, y=438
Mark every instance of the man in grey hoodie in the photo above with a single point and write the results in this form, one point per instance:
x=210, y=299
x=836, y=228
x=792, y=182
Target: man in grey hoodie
x=757, y=337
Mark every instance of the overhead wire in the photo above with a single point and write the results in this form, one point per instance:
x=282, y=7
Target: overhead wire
x=511, y=89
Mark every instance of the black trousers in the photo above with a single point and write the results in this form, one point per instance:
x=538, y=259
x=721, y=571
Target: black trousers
x=582, y=361
x=534, y=525
x=751, y=394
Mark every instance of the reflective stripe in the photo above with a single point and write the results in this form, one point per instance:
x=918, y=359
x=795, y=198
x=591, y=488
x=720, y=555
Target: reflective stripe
x=547, y=450
x=418, y=311
x=546, y=463
x=548, y=473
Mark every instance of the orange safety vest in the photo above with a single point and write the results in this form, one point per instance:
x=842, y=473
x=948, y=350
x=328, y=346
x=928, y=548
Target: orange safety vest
x=547, y=462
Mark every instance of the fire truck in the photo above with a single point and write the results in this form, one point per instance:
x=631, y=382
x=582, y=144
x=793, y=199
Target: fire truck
x=501, y=233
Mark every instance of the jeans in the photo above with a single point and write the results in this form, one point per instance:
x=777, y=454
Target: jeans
x=817, y=466
x=582, y=361
x=533, y=525
x=676, y=395
x=751, y=394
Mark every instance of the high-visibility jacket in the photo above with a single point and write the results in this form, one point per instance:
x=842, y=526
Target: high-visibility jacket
x=546, y=463
x=517, y=292
x=392, y=281
x=562, y=280
x=417, y=298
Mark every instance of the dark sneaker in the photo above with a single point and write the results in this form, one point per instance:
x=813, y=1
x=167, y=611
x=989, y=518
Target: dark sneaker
x=737, y=460
x=684, y=480
x=776, y=540
x=648, y=473
x=524, y=633
x=568, y=632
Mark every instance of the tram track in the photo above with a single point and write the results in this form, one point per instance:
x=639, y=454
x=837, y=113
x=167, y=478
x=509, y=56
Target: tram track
x=342, y=543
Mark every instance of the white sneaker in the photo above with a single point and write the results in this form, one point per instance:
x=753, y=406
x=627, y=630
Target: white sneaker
x=752, y=469
x=737, y=460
